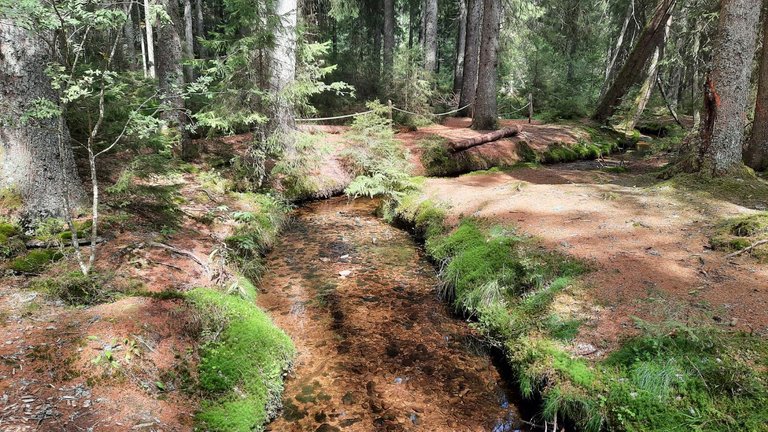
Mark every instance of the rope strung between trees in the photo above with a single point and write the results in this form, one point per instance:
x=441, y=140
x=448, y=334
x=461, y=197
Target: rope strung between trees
x=370, y=111
x=516, y=110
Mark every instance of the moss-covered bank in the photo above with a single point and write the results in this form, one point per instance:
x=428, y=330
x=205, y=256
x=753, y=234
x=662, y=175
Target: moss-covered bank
x=243, y=356
x=670, y=377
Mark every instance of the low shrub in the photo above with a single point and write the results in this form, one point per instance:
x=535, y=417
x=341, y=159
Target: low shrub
x=35, y=261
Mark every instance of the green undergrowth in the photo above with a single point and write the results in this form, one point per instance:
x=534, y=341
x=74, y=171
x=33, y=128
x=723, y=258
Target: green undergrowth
x=35, y=261
x=744, y=188
x=297, y=171
x=11, y=240
x=255, y=233
x=735, y=234
x=672, y=376
x=242, y=363
x=76, y=289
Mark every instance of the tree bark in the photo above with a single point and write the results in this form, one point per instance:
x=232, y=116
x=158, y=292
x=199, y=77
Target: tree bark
x=283, y=70
x=610, y=67
x=485, y=116
x=458, y=146
x=200, y=29
x=461, y=39
x=633, y=70
x=644, y=94
x=756, y=156
x=30, y=161
x=189, y=41
x=171, y=79
x=148, y=20
x=129, y=38
x=430, y=35
x=727, y=88
x=389, y=38
x=471, y=56
x=695, y=82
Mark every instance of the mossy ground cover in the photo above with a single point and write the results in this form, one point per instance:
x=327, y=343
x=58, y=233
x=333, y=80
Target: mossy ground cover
x=241, y=365
x=672, y=376
x=739, y=233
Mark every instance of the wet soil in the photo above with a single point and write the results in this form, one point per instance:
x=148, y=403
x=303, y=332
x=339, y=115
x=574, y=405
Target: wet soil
x=377, y=350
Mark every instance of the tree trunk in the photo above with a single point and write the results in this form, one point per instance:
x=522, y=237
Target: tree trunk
x=389, y=39
x=283, y=70
x=430, y=35
x=756, y=156
x=610, y=67
x=644, y=94
x=189, y=41
x=30, y=161
x=461, y=39
x=171, y=78
x=632, y=71
x=458, y=146
x=148, y=20
x=129, y=38
x=695, y=82
x=471, y=55
x=485, y=116
x=200, y=29
x=727, y=88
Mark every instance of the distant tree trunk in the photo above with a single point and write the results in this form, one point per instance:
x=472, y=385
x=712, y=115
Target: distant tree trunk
x=633, y=70
x=148, y=20
x=727, y=89
x=610, y=67
x=389, y=38
x=461, y=39
x=200, y=29
x=30, y=161
x=471, y=55
x=695, y=82
x=171, y=78
x=189, y=41
x=430, y=35
x=756, y=156
x=646, y=89
x=283, y=71
x=129, y=38
x=485, y=116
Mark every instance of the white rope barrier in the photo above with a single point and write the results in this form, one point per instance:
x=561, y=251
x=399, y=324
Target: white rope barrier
x=370, y=111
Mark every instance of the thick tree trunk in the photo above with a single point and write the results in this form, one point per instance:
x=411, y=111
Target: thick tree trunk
x=148, y=20
x=189, y=41
x=471, y=55
x=727, y=89
x=283, y=70
x=485, y=115
x=171, y=78
x=30, y=161
x=129, y=38
x=756, y=156
x=646, y=89
x=430, y=35
x=610, y=67
x=458, y=146
x=461, y=39
x=633, y=70
x=200, y=29
x=389, y=38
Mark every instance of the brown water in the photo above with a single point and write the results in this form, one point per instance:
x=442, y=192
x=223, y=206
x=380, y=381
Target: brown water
x=377, y=350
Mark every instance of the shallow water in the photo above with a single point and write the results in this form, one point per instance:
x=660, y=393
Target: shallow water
x=377, y=350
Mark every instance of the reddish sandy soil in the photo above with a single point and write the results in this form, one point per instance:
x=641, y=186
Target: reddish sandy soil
x=53, y=370
x=648, y=246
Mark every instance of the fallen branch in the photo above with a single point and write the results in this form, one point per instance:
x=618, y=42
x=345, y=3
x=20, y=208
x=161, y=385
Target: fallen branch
x=184, y=252
x=458, y=146
x=39, y=244
x=747, y=249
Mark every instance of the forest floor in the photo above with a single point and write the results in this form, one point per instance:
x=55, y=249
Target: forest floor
x=121, y=364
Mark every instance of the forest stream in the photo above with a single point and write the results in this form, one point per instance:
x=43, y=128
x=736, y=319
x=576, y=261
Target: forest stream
x=377, y=349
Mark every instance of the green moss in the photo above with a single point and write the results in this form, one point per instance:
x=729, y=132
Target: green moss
x=10, y=199
x=436, y=158
x=743, y=188
x=11, y=241
x=241, y=369
x=35, y=261
x=741, y=232
x=76, y=289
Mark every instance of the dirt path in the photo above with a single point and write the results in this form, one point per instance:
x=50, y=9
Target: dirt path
x=377, y=349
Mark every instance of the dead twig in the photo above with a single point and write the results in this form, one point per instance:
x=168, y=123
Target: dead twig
x=747, y=249
x=184, y=252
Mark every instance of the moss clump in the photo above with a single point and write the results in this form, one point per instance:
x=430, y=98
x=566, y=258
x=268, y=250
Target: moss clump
x=11, y=241
x=35, y=261
x=743, y=188
x=436, y=158
x=742, y=232
x=242, y=365
x=582, y=150
x=10, y=199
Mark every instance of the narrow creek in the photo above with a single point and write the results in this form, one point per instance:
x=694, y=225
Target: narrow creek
x=377, y=350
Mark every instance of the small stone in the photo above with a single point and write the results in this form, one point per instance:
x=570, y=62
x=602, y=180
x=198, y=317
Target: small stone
x=345, y=273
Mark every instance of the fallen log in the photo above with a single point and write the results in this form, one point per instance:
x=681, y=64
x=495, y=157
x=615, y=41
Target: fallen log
x=458, y=146
x=39, y=244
